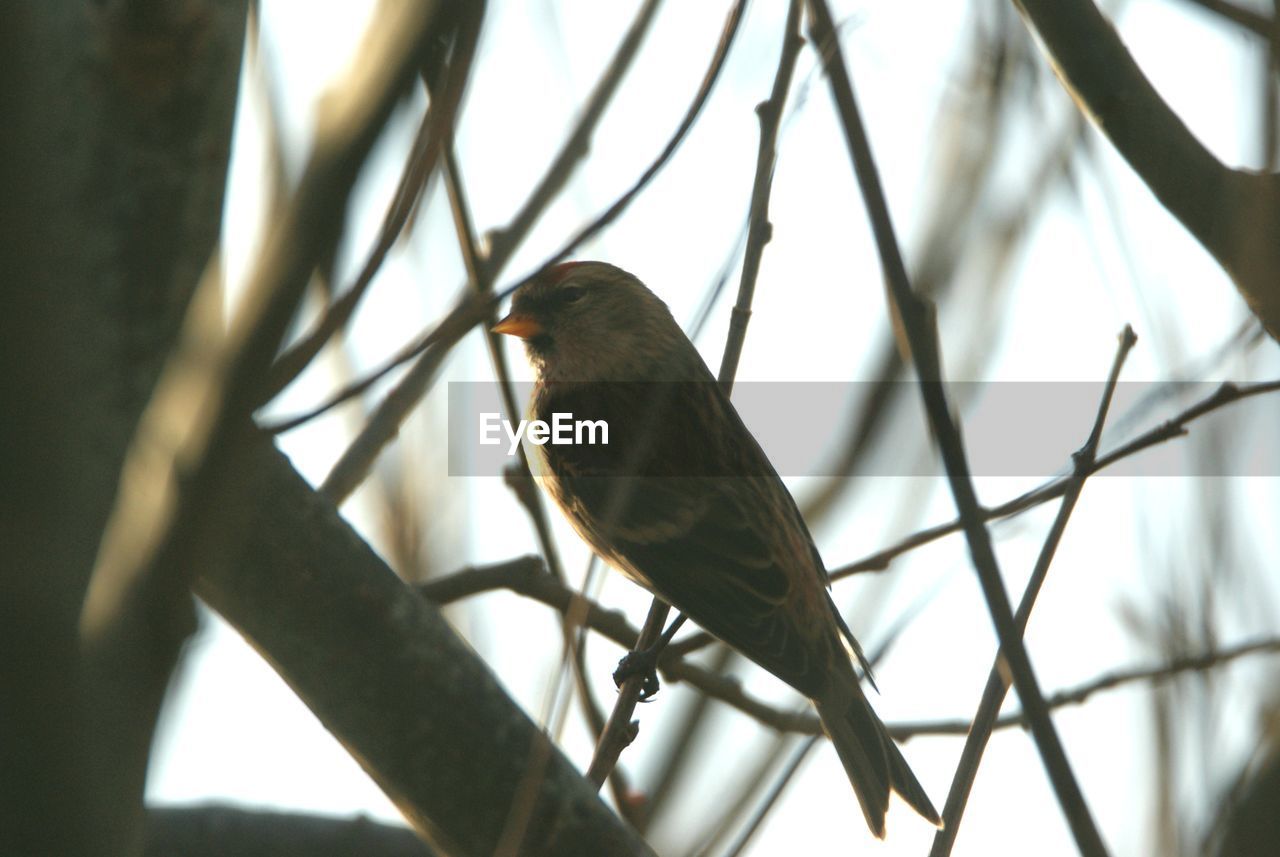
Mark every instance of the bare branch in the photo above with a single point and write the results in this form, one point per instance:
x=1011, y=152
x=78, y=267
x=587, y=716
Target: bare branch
x=503, y=242
x=525, y=576
x=1234, y=214
x=620, y=205
x=384, y=671
x=998, y=679
x=211, y=383
x=759, y=229
x=620, y=731
x=478, y=271
x=359, y=457
x=437, y=124
x=1174, y=427
x=417, y=170
x=775, y=792
x=919, y=327
x=1108, y=681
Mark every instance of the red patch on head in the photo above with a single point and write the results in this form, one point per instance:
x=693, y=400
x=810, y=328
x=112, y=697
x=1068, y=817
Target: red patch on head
x=557, y=273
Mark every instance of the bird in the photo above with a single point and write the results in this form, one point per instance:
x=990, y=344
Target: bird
x=683, y=501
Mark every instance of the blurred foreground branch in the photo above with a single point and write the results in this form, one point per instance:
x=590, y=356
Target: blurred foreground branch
x=395, y=684
x=1233, y=213
x=113, y=161
x=214, y=830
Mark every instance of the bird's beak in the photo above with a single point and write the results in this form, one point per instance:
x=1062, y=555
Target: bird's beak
x=523, y=326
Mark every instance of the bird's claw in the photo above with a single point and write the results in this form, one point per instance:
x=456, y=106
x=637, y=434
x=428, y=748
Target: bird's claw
x=642, y=663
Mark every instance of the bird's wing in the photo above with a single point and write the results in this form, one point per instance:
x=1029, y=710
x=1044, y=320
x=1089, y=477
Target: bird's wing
x=726, y=573
x=704, y=521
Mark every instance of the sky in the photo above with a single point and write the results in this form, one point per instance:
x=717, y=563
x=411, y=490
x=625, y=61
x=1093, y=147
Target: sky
x=1100, y=254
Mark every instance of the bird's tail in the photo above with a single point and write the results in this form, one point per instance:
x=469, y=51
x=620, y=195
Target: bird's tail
x=870, y=757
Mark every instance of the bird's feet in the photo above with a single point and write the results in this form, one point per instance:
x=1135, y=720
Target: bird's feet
x=645, y=661
x=641, y=662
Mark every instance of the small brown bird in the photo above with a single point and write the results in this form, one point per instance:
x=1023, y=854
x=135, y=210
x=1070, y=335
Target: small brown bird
x=683, y=500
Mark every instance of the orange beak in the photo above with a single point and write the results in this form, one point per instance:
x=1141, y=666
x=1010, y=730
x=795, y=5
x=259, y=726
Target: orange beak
x=523, y=326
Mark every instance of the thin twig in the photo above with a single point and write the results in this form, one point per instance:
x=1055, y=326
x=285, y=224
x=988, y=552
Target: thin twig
x=478, y=271
x=1107, y=681
x=998, y=679
x=504, y=241
x=760, y=230
x=612, y=624
x=734, y=806
x=354, y=464
x=920, y=329
x=753, y=826
x=510, y=239
x=731, y=817
x=620, y=731
x=530, y=498
x=1176, y=426
x=212, y=382
x=610, y=214
x=525, y=576
x=437, y=125
x=467, y=312
x=999, y=235
x=359, y=457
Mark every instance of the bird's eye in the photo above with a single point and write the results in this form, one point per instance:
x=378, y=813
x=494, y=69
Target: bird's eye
x=572, y=294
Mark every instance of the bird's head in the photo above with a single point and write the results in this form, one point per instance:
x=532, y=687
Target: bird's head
x=592, y=321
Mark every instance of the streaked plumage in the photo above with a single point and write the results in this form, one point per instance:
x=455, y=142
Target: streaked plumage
x=685, y=502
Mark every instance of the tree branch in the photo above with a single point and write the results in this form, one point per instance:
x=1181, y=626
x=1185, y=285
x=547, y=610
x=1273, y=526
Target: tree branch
x=920, y=329
x=1174, y=427
x=997, y=687
x=759, y=229
x=436, y=126
x=385, y=673
x=478, y=268
x=503, y=242
x=525, y=576
x=1107, y=681
x=759, y=232
x=213, y=830
x=383, y=426
x=113, y=164
x=619, y=732
x=1234, y=214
